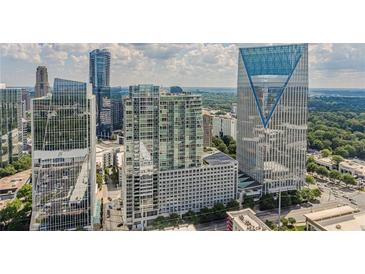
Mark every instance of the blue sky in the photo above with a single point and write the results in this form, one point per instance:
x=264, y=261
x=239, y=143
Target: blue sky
x=205, y=65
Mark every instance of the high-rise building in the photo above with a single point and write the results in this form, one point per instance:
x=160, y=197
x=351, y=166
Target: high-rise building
x=41, y=84
x=207, y=128
x=272, y=115
x=99, y=77
x=11, y=128
x=117, y=110
x=63, y=158
x=26, y=99
x=164, y=170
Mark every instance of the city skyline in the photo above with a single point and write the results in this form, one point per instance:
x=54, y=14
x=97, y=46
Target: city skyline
x=189, y=65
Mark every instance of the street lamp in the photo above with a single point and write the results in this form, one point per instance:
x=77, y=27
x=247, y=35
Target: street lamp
x=279, y=206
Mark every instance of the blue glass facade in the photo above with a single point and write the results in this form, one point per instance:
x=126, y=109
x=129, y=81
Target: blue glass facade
x=99, y=77
x=272, y=115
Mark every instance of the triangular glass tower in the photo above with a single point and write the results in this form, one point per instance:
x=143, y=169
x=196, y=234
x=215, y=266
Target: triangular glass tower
x=269, y=69
x=272, y=115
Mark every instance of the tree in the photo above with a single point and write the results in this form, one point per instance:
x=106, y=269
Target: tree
x=337, y=159
x=160, y=222
x=219, y=211
x=7, y=170
x=25, y=192
x=9, y=212
x=228, y=140
x=348, y=179
x=342, y=152
x=99, y=180
x=190, y=217
x=316, y=193
x=233, y=205
x=309, y=179
x=267, y=201
x=336, y=175
x=350, y=149
x=325, y=152
x=291, y=221
x=205, y=215
x=317, y=144
x=248, y=202
x=310, y=159
x=222, y=147
x=174, y=219
x=312, y=167
x=322, y=171
x=232, y=148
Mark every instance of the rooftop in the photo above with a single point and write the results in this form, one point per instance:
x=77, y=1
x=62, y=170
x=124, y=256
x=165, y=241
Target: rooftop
x=344, y=218
x=246, y=219
x=218, y=158
x=351, y=222
x=354, y=164
x=15, y=181
x=330, y=213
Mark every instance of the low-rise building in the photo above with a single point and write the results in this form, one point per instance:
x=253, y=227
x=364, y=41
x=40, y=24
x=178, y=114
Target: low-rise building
x=324, y=161
x=224, y=125
x=355, y=167
x=106, y=153
x=343, y=218
x=245, y=220
x=195, y=188
x=248, y=188
x=10, y=185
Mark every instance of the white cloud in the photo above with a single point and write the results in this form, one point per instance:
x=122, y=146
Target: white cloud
x=184, y=64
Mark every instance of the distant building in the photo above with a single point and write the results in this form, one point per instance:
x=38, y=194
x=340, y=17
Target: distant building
x=164, y=170
x=225, y=125
x=99, y=77
x=11, y=127
x=106, y=154
x=207, y=129
x=117, y=111
x=41, y=85
x=234, y=109
x=324, y=161
x=26, y=99
x=245, y=220
x=343, y=218
x=63, y=158
x=176, y=89
x=355, y=167
x=272, y=115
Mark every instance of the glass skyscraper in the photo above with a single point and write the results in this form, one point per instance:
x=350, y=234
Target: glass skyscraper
x=11, y=129
x=63, y=156
x=272, y=115
x=99, y=77
x=162, y=132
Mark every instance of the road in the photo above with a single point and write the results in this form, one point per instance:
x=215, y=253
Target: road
x=220, y=225
x=112, y=211
x=332, y=196
x=296, y=212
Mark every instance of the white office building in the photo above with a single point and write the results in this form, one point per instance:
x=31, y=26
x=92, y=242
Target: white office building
x=224, y=125
x=181, y=190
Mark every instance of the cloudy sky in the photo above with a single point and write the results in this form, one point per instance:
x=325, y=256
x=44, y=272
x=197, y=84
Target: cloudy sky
x=189, y=65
